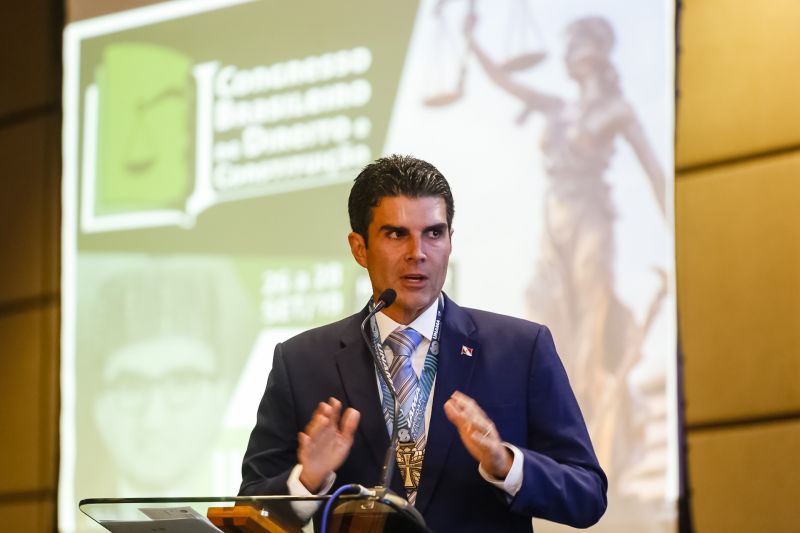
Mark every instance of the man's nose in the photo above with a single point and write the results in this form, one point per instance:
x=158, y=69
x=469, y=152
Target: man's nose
x=416, y=250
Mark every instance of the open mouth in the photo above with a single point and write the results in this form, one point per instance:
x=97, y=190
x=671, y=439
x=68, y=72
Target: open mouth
x=414, y=278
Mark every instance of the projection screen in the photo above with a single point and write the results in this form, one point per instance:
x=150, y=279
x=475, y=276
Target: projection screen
x=209, y=147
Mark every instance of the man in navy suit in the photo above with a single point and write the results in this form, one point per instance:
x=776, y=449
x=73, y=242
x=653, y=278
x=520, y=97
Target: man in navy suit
x=494, y=429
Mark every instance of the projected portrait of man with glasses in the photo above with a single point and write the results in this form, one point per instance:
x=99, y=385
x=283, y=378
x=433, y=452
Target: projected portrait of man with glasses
x=167, y=340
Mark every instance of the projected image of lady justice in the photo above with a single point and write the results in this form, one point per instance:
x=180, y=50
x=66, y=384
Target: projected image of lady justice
x=572, y=285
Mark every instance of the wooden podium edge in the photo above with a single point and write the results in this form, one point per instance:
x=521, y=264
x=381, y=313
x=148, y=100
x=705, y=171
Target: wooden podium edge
x=243, y=519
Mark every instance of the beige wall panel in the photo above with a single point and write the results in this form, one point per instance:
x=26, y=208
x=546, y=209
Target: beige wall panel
x=49, y=377
x=29, y=56
x=738, y=80
x=28, y=517
x=51, y=206
x=738, y=270
x=21, y=408
x=23, y=153
x=746, y=479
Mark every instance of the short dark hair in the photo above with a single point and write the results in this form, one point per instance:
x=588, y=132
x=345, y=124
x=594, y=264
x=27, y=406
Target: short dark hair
x=395, y=175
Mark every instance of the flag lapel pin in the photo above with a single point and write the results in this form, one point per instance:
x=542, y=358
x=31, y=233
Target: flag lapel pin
x=466, y=350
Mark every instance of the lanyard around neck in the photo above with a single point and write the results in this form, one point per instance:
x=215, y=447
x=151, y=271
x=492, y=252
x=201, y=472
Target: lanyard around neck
x=414, y=420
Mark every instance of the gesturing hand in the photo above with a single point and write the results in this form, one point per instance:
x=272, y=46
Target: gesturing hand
x=479, y=435
x=324, y=444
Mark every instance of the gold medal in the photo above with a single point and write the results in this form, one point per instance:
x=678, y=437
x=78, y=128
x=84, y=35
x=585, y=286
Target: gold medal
x=409, y=461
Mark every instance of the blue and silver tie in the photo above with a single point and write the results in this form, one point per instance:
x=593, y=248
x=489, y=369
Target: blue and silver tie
x=403, y=342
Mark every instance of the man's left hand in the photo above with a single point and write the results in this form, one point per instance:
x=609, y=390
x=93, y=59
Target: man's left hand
x=479, y=435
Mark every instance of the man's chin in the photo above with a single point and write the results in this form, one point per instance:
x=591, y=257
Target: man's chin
x=415, y=303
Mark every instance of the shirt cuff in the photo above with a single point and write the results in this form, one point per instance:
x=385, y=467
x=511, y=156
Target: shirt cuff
x=304, y=510
x=513, y=481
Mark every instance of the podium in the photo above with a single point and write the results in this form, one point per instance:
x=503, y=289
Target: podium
x=252, y=514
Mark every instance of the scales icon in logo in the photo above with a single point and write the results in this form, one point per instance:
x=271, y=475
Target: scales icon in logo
x=138, y=138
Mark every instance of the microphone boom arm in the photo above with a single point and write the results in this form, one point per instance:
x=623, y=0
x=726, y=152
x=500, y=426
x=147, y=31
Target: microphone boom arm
x=384, y=301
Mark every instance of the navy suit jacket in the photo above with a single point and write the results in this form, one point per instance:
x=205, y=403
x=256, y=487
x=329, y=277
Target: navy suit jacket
x=514, y=374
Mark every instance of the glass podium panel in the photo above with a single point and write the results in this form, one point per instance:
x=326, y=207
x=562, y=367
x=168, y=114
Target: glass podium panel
x=244, y=514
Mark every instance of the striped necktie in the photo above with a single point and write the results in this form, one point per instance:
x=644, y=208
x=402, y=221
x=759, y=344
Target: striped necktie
x=411, y=449
x=403, y=342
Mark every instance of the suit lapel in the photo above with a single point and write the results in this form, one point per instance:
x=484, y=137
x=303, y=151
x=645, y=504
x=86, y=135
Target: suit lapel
x=357, y=372
x=454, y=372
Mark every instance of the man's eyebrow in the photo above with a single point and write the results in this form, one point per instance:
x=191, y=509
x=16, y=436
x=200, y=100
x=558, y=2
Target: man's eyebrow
x=390, y=228
x=441, y=227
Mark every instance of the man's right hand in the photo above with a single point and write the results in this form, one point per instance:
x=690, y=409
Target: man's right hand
x=325, y=443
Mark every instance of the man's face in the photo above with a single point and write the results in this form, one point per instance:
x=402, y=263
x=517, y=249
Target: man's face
x=408, y=250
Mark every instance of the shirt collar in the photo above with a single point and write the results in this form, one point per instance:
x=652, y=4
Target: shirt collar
x=423, y=324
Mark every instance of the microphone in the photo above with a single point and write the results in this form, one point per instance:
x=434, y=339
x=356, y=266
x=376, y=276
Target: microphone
x=385, y=299
x=382, y=492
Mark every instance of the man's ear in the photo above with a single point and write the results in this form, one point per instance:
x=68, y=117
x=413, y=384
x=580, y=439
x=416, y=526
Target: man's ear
x=358, y=247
